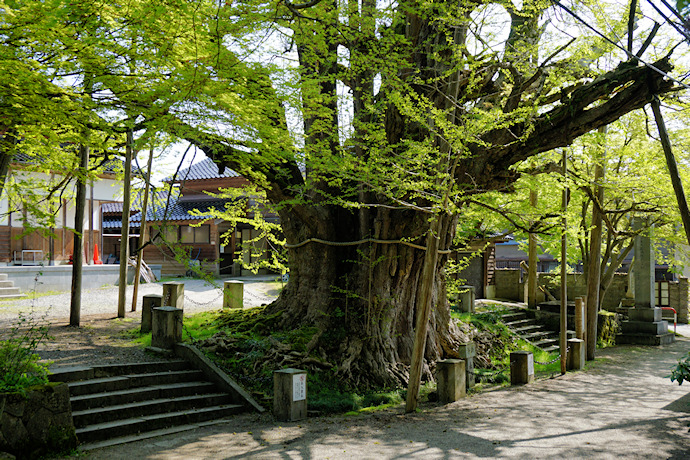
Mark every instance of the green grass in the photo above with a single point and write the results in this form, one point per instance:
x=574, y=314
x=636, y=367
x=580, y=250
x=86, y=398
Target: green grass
x=31, y=295
x=198, y=326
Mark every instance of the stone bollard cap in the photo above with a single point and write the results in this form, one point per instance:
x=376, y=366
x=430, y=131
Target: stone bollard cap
x=467, y=350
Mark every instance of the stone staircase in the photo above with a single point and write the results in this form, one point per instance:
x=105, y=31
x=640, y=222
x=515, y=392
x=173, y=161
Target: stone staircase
x=115, y=404
x=7, y=289
x=529, y=328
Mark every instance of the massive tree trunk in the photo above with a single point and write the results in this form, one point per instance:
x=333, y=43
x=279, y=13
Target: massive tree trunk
x=362, y=296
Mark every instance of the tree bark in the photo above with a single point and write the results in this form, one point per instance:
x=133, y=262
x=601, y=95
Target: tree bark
x=594, y=259
x=77, y=252
x=124, y=238
x=142, y=230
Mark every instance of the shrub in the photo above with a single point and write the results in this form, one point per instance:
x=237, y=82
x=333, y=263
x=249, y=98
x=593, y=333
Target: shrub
x=19, y=365
x=681, y=372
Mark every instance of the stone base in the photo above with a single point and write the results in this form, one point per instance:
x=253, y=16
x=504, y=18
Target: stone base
x=643, y=327
x=645, y=339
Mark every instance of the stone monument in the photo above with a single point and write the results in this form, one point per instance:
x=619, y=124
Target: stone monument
x=645, y=326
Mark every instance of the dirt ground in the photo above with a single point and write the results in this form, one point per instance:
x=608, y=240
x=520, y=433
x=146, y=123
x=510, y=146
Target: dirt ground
x=623, y=406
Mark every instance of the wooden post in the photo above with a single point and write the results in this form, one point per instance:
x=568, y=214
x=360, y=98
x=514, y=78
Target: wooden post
x=289, y=394
x=564, y=272
x=532, y=260
x=423, y=309
x=142, y=230
x=672, y=167
x=233, y=294
x=450, y=375
x=579, y=318
x=124, y=238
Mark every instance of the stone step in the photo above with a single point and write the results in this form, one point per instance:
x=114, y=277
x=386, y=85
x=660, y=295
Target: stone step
x=172, y=390
x=105, y=414
x=130, y=426
x=12, y=296
x=520, y=323
x=529, y=329
x=3, y=276
x=85, y=447
x=514, y=316
x=123, y=382
x=6, y=284
x=75, y=373
x=9, y=291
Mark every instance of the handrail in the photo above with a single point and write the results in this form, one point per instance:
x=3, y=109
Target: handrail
x=675, y=316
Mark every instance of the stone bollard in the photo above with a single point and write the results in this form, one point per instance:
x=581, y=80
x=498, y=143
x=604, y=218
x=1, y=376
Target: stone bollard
x=233, y=294
x=149, y=302
x=450, y=375
x=289, y=394
x=467, y=352
x=173, y=295
x=467, y=299
x=580, y=326
x=521, y=367
x=576, y=354
x=167, y=327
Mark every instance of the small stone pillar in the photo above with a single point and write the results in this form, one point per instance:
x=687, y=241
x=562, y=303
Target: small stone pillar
x=149, y=302
x=467, y=299
x=173, y=295
x=167, y=327
x=521, y=367
x=290, y=394
x=576, y=354
x=450, y=375
x=233, y=294
x=580, y=326
x=467, y=352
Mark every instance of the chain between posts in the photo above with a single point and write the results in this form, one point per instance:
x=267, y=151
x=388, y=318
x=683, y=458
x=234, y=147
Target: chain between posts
x=556, y=359
x=250, y=294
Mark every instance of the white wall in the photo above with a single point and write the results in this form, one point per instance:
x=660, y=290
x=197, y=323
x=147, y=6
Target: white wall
x=104, y=190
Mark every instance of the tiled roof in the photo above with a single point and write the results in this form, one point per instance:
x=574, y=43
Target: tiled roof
x=180, y=210
x=205, y=169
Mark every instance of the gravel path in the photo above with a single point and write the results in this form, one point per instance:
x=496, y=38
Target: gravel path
x=101, y=338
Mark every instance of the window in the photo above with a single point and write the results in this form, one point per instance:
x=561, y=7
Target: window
x=195, y=234
x=662, y=294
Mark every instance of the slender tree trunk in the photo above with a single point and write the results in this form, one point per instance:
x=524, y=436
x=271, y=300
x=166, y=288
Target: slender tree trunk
x=77, y=253
x=124, y=241
x=594, y=260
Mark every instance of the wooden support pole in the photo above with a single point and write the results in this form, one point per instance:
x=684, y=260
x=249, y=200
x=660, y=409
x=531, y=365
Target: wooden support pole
x=142, y=230
x=594, y=258
x=423, y=309
x=564, y=271
x=532, y=260
x=124, y=238
x=672, y=167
